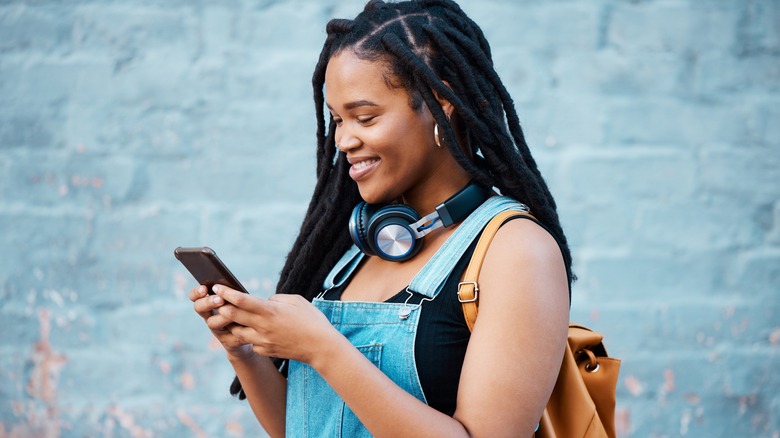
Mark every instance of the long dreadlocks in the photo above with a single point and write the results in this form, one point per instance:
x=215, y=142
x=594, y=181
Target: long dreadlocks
x=430, y=48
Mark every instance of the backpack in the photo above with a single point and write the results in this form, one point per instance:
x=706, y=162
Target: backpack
x=582, y=403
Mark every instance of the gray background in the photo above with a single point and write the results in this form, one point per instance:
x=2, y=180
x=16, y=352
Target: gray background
x=128, y=128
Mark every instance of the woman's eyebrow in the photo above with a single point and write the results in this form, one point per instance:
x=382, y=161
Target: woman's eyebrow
x=359, y=103
x=355, y=104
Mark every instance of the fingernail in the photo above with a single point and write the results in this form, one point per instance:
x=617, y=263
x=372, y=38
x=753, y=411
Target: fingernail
x=202, y=290
x=216, y=300
x=215, y=288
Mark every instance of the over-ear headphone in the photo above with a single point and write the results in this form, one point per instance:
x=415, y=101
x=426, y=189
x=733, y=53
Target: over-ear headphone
x=394, y=231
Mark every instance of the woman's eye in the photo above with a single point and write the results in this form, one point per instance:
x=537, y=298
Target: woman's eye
x=365, y=120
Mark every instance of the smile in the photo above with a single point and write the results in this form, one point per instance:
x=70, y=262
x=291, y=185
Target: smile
x=362, y=168
x=363, y=164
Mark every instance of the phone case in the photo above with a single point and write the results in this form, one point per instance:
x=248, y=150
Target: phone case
x=207, y=268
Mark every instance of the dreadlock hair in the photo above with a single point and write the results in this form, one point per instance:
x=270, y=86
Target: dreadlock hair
x=421, y=44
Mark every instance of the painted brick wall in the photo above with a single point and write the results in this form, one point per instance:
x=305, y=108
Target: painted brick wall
x=128, y=128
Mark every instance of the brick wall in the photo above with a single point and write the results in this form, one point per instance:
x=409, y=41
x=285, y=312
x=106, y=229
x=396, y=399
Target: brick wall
x=128, y=128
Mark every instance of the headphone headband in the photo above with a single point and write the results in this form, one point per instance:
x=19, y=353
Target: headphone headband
x=460, y=205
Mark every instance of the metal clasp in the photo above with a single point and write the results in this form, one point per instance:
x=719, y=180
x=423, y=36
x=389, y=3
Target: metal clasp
x=476, y=292
x=406, y=310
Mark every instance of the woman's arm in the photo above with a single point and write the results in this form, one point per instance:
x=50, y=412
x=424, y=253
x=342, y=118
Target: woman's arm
x=265, y=389
x=519, y=338
x=511, y=363
x=264, y=386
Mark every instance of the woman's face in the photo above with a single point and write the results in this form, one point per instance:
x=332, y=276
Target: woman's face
x=389, y=145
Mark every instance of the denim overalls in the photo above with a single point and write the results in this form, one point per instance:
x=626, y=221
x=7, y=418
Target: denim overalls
x=384, y=332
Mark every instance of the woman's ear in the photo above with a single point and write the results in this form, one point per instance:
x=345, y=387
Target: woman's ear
x=445, y=104
x=449, y=110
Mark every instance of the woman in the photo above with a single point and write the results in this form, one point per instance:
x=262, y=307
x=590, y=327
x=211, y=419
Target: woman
x=376, y=342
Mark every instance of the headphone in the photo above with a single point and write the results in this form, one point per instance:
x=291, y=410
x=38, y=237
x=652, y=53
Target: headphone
x=394, y=232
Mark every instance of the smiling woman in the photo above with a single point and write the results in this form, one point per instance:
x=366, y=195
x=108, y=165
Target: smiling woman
x=419, y=146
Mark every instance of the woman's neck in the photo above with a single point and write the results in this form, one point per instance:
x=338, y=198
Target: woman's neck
x=424, y=199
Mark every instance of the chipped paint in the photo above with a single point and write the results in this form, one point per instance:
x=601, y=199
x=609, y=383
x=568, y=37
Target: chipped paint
x=774, y=337
x=692, y=398
x=685, y=421
x=180, y=282
x=622, y=421
x=740, y=327
x=214, y=344
x=189, y=422
x=128, y=422
x=47, y=363
x=83, y=181
x=187, y=381
x=745, y=402
x=234, y=428
x=40, y=414
x=668, y=385
x=634, y=386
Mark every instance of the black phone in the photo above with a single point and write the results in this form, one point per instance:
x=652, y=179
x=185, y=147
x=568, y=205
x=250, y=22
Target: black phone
x=207, y=268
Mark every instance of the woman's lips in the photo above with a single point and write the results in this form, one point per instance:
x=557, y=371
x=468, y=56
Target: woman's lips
x=361, y=168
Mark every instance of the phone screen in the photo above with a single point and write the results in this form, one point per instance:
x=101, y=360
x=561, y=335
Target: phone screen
x=207, y=268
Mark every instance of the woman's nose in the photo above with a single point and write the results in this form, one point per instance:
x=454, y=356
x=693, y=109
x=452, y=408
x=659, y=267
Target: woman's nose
x=346, y=142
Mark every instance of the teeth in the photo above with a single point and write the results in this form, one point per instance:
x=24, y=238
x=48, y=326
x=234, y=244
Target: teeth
x=364, y=164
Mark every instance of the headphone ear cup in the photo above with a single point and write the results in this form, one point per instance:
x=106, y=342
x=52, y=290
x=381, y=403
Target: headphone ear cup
x=389, y=234
x=358, y=221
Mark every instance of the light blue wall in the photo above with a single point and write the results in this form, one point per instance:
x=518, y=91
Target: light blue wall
x=128, y=128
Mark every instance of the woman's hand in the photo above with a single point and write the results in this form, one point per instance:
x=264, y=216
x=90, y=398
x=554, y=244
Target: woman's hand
x=206, y=305
x=286, y=326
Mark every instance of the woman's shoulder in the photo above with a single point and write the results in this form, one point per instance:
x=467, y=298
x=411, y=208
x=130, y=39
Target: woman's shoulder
x=524, y=255
x=526, y=237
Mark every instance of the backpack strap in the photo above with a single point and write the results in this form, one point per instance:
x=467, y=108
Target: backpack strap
x=468, y=289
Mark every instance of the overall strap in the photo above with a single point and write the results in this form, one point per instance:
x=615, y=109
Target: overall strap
x=433, y=275
x=343, y=269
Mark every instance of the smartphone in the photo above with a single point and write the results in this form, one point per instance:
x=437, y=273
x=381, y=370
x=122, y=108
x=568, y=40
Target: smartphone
x=207, y=268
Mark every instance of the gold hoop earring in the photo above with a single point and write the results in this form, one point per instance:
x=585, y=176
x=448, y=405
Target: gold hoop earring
x=436, y=135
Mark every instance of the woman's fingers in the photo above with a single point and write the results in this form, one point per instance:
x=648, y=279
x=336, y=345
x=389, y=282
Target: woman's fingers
x=267, y=324
x=208, y=303
x=239, y=315
x=293, y=299
x=243, y=301
x=238, y=307
x=205, y=307
x=217, y=322
x=243, y=334
x=198, y=292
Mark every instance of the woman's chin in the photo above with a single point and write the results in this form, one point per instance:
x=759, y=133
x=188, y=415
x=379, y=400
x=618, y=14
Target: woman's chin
x=372, y=196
